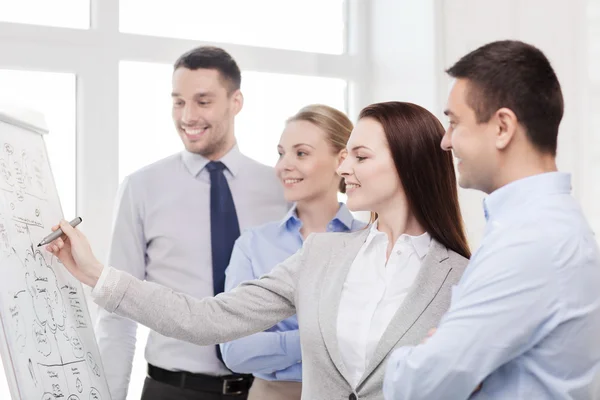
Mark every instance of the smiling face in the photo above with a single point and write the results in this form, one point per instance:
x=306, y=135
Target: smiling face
x=307, y=162
x=204, y=111
x=372, y=182
x=473, y=144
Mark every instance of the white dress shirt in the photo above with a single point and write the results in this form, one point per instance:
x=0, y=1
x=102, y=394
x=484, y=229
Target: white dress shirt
x=161, y=233
x=373, y=292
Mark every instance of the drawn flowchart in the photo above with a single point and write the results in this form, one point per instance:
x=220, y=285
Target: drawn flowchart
x=45, y=322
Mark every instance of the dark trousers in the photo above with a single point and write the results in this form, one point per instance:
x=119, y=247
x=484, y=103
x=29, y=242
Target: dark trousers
x=154, y=390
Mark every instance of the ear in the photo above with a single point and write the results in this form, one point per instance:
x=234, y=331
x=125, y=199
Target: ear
x=342, y=156
x=237, y=100
x=507, y=124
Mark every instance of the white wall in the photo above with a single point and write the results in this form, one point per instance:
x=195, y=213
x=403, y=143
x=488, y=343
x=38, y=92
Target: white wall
x=413, y=42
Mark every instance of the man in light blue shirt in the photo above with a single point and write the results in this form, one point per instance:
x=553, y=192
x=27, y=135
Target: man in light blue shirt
x=273, y=355
x=524, y=322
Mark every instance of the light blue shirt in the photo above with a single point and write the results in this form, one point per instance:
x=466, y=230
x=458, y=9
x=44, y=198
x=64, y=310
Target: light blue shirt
x=525, y=318
x=275, y=353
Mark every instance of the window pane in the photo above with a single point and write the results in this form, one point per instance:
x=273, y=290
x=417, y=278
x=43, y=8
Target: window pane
x=63, y=13
x=269, y=99
x=145, y=116
x=54, y=95
x=309, y=25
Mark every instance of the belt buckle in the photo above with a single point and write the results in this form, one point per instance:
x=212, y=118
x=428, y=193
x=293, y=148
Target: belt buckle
x=226, y=383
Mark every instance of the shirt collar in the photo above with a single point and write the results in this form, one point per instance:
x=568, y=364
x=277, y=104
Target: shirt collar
x=291, y=218
x=514, y=194
x=420, y=243
x=196, y=162
x=343, y=216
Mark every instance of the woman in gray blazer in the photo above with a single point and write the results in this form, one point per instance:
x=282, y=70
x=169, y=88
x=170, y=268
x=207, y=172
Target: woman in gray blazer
x=358, y=296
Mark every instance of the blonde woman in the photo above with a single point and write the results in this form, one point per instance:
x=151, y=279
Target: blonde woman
x=311, y=149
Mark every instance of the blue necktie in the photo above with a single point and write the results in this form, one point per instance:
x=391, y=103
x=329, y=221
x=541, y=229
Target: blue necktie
x=224, y=227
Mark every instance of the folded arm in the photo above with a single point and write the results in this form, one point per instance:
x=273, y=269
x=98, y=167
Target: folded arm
x=263, y=352
x=506, y=287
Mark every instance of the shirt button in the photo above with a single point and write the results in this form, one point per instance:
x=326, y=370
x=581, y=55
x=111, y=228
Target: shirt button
x=352, y=397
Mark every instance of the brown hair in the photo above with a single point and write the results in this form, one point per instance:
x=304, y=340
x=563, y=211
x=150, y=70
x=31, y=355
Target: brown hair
x=335, y=123
x=210, y=57
x=425, y=170
x=518, y=76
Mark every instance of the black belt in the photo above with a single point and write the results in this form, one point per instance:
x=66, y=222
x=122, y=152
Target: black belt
x=232, y=385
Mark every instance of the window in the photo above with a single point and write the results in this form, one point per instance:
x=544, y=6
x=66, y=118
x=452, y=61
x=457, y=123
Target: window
x=145, y=115
x=101, y=83
x=63, y=13
x=309, y=25
x=272, y=98
x=54, y=95
x=145, y=104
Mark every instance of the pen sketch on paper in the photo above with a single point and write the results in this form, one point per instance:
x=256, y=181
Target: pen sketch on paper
x=51, y=347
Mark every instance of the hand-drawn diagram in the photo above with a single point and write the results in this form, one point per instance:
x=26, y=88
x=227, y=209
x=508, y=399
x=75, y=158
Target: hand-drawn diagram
x=44, y=317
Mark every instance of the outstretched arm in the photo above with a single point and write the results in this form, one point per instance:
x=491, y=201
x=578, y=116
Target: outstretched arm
x=252, y=307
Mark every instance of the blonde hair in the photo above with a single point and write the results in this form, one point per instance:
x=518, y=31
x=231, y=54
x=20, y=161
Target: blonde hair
x=335, y=123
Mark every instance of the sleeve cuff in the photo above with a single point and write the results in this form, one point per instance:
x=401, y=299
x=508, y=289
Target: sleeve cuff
x=98, y=287
x=110, y=288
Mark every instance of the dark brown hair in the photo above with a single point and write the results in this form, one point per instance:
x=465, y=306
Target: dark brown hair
x=425, y=170
x=210, y=57
x=517, y=76
x=336, y=124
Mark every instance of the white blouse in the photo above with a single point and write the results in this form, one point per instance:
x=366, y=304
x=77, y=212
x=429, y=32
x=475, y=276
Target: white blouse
x=372, y=294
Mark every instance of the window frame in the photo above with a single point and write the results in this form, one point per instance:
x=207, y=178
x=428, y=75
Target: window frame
x=93, y=55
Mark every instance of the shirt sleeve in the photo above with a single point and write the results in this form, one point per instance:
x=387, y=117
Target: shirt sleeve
x=250, y=308
x=263, y=352
x=116, y=335
x=507, y=284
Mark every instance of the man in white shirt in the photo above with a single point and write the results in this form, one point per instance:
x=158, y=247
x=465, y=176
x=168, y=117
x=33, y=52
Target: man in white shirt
x=168, y=230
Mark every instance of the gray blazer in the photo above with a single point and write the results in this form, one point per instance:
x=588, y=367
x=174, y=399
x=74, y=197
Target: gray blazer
x=308, y=284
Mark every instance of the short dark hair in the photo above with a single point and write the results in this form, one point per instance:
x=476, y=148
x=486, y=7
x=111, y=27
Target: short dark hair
x=210, y=57
x=517, y=76
x=425, y=170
